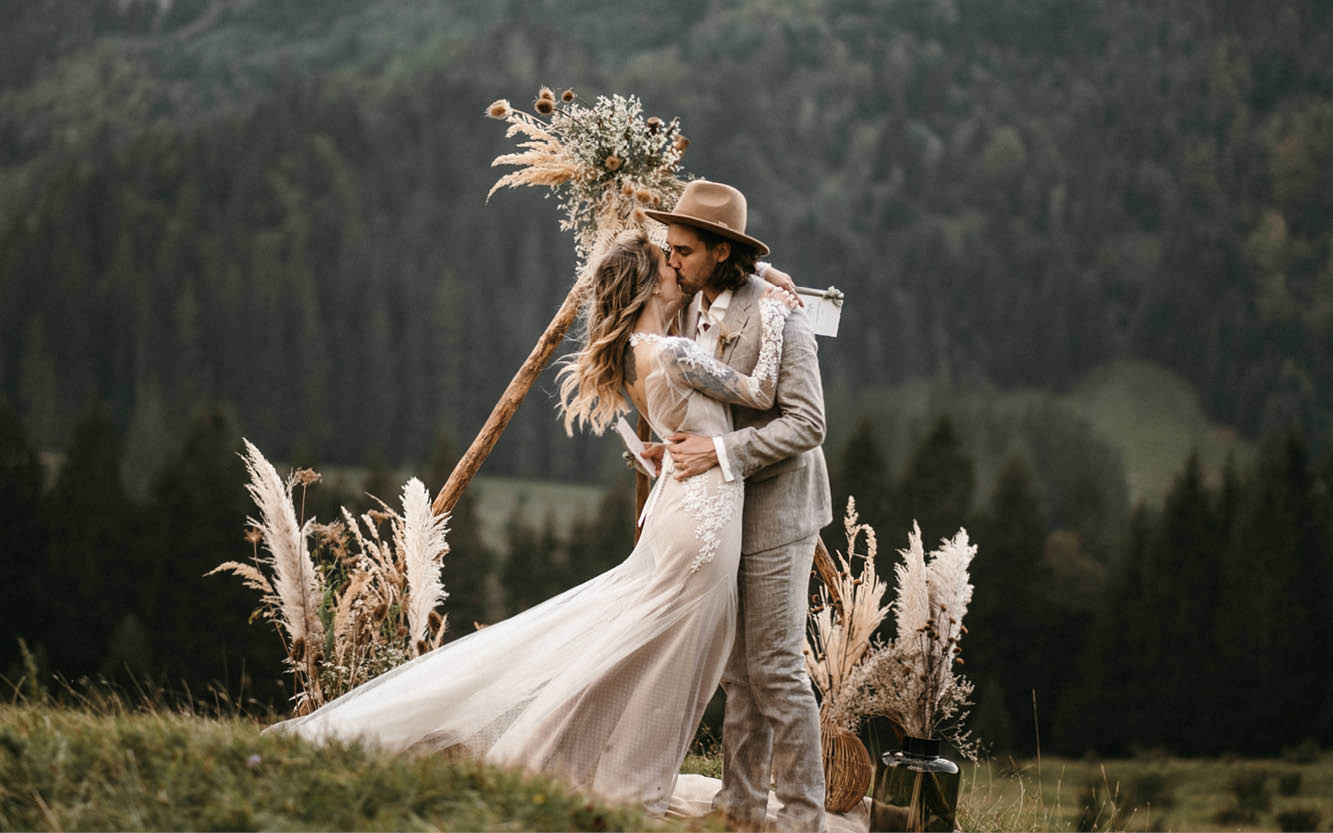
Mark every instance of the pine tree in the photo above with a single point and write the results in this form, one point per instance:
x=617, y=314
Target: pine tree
x=603, y=538
x=1118, y=695
x=97, y=564
x=1007, y=649
x=1284, y=540
x=201, y=626
x=864, y=475
x=936, y=488
x=1182, y=593
x=532, y=572
x=1324, y=509
x=23, y=560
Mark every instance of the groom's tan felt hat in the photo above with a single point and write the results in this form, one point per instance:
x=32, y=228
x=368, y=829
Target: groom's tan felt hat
x=713, y=207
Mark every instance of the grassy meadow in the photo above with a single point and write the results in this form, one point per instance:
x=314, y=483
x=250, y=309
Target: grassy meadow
x=64, y=769
x=1150, y=793
x=114, y=768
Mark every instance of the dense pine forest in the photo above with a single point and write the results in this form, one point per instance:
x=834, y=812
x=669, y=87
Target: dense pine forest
x=1086, y=248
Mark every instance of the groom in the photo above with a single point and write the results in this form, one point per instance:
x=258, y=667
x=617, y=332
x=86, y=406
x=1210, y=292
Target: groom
x=771, y=724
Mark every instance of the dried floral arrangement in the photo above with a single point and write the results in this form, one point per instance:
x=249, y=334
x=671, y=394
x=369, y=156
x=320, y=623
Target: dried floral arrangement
x=844, y=617
x=361, y=602
x=605, y=161
x=910, y=680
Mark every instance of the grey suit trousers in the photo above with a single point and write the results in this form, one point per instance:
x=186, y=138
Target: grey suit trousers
x=771, y=725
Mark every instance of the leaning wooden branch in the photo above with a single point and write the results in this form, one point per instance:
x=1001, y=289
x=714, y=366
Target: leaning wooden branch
x=504, y=409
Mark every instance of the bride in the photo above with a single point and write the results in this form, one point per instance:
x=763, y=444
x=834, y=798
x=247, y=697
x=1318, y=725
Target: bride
x=605, y=684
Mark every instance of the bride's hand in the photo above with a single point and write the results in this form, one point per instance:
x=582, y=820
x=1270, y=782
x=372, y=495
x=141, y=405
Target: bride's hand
x=785, y=296
x=781, y=280
x=653, y=452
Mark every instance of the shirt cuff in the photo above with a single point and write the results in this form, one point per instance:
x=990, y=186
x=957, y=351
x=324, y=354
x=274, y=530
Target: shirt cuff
x=722, y=459
x=761, y=268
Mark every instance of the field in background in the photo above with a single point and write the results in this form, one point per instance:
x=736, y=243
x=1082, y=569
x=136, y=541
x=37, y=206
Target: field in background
x=1151, y=793
x=1152, y=416
x=1145, y=412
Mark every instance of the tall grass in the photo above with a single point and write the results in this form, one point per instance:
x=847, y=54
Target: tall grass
x=108, y=766
x=357, y=603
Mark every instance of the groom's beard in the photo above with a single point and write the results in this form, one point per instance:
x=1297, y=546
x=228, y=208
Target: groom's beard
x=686, y=290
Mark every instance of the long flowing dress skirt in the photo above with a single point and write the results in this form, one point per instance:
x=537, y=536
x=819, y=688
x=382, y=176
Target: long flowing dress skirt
x=602, y=686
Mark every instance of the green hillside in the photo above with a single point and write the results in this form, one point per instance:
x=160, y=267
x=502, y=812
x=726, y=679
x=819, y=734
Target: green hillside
x=278, y=205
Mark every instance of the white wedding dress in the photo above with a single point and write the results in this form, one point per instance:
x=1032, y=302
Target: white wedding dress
x=604, y=685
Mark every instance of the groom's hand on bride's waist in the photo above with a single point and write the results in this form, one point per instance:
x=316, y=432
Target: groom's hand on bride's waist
x=691, y=454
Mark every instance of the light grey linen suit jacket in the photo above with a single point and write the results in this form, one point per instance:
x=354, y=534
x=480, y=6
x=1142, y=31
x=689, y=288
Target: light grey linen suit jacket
x=777, y=452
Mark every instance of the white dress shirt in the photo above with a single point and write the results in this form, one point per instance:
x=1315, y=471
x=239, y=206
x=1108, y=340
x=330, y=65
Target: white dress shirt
x=708, y=323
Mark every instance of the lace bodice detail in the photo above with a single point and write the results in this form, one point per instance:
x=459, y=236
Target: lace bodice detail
x=686, y=379
x=689, y=391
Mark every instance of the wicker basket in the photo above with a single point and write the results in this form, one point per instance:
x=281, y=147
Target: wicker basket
x=847, y=768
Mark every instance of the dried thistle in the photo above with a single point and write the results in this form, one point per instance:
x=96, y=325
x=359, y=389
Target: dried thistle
x=545, y=106
x=500, y=109
x=545, y=94
x=567, y=96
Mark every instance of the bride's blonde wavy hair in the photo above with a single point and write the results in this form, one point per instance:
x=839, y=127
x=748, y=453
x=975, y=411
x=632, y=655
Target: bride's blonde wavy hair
x=592, y=380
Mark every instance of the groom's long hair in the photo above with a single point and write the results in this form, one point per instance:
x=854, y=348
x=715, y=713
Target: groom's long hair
x=733, y=272
x=592, y=380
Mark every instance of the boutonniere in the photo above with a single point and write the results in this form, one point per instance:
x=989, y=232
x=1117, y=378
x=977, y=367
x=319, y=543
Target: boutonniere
x=725, y=335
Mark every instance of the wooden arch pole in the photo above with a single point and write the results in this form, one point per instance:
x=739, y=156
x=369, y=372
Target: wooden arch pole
x=513, y=395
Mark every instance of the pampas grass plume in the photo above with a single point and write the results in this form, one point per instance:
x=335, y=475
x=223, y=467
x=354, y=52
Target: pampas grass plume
x=296, y=582
x=420, y=538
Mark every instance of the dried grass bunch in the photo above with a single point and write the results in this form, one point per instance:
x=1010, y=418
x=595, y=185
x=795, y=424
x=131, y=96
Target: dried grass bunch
x=605, y=161
x=910, y=680
x=845, y=617
x=363, y=602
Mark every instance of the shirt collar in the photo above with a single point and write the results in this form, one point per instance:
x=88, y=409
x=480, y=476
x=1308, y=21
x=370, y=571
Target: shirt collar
x=718, y=309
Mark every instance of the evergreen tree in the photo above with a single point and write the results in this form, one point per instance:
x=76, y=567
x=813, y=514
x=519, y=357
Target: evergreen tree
x=603, y=538
x=1007, y=649
x=1182, y=588
x=98, y=564
x=202, y=632
x=1281, y=596
x=936, y=488
x=23, y=560
x=531, y=571
x=1324, y=496
x=864, y=475
x=1116, y=699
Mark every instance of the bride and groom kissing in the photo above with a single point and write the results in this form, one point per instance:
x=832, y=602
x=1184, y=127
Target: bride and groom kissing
x=605, y=684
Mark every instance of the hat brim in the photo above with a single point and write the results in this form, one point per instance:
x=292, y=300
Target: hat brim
x=720, y=230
